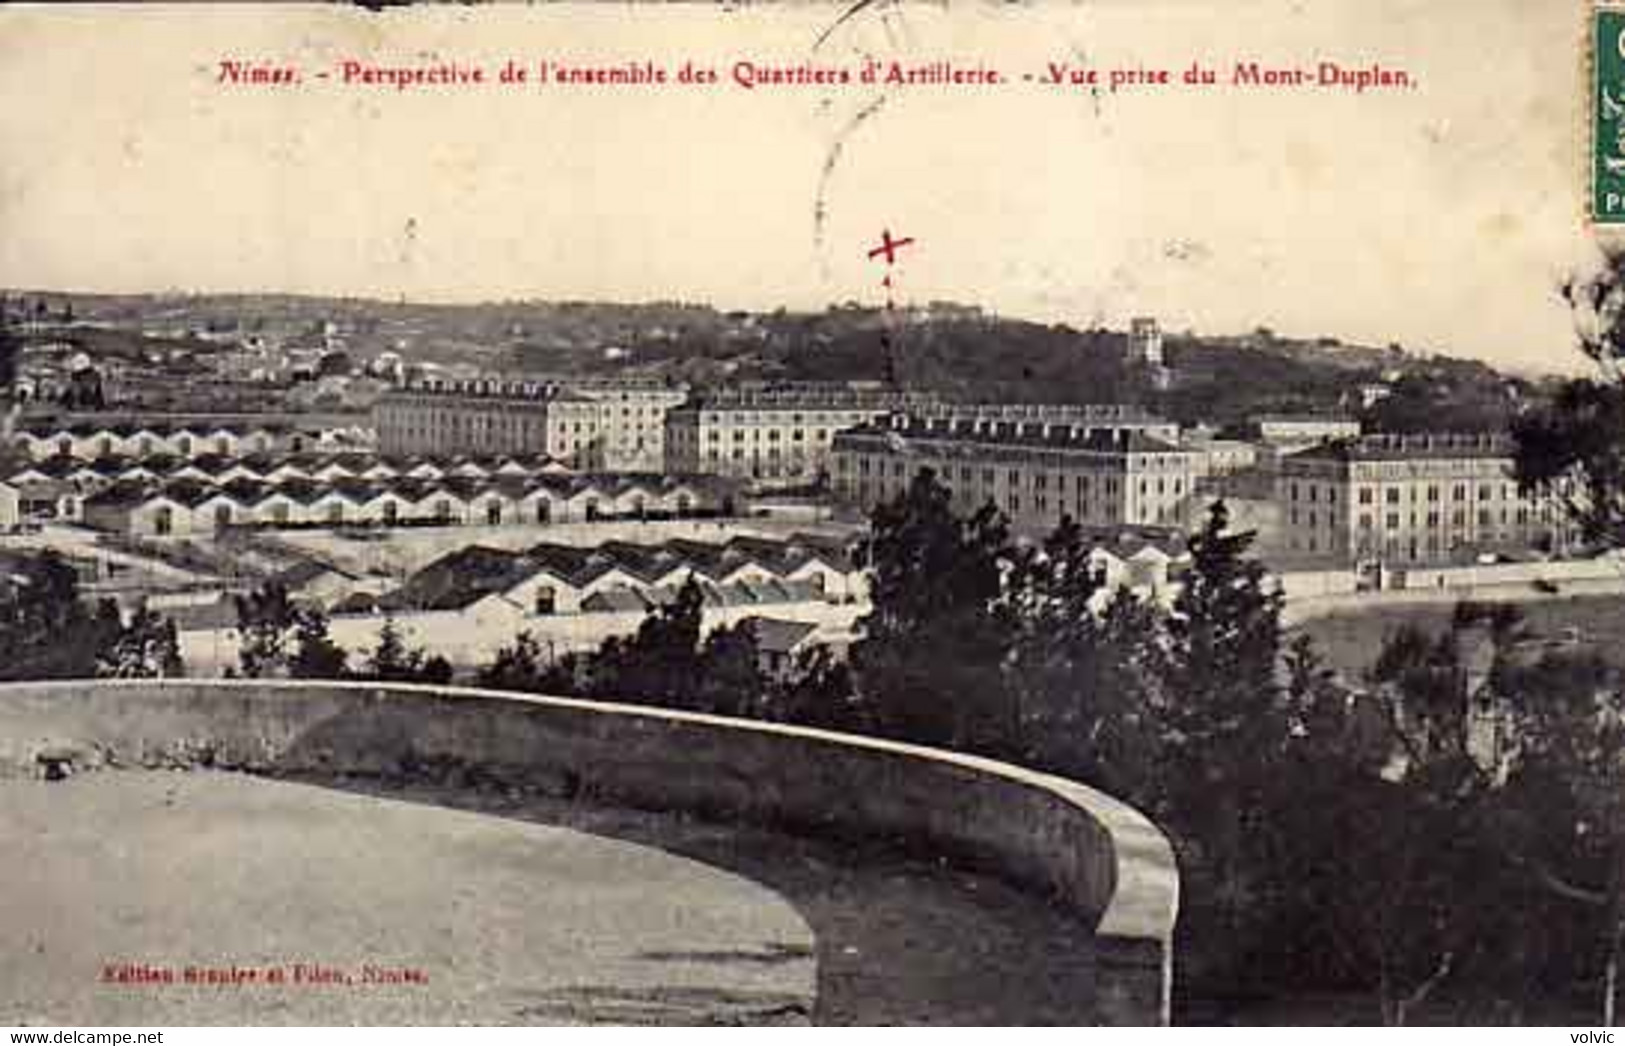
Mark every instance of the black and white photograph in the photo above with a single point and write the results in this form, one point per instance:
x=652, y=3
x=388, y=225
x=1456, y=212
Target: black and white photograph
x=862, y=513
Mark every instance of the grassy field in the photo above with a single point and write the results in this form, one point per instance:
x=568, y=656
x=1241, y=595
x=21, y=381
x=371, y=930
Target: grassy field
x=1350, y=642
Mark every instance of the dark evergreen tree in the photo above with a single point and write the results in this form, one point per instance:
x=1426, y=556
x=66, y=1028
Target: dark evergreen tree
x=314, y=655
x=819, y=693
x=660, y=664
x=517, y=666
x=1081, y=668
x=147, y=646
x=393, y=661
x=930, y=665
x=731, y=680
x=266, y=618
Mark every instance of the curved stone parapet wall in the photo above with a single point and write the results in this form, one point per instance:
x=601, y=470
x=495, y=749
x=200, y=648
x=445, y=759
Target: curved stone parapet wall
x=1094, y=854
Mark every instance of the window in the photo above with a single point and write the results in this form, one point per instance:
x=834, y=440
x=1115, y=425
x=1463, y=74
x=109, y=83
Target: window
x=1365, y=496
x=1391, y=495
x=547, y=600
x=335, y=512
x=163, y=520
x=222, y=515
x=493, y=513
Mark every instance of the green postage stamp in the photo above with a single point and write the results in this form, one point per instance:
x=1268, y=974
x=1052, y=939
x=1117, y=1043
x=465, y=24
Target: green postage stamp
x=1608, y=115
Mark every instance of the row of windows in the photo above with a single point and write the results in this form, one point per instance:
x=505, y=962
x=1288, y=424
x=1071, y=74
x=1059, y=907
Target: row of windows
x=1458, y=492
x=1458, y=518
x=838, y=419
x=901, y=469
x=738, y=454
x=1081, y=507
x=796, y=435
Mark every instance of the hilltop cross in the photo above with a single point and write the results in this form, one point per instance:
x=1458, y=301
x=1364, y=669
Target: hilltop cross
x=889, y=246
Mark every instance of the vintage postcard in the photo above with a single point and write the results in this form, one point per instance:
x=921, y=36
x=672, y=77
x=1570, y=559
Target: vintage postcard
x=843, y=513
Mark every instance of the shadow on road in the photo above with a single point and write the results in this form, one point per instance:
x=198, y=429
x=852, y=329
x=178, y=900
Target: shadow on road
x=900, y=940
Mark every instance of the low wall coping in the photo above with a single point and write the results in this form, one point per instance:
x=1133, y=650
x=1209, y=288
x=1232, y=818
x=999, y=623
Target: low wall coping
x=1136, y=922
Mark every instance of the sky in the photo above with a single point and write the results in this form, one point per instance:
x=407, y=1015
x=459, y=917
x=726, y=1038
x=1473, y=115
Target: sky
x=1443, y=215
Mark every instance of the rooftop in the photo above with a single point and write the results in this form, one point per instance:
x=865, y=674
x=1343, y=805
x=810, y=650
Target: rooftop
x=997, y=432
x=1396, y=447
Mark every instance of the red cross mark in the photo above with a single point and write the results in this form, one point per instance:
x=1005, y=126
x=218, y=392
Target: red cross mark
x=889, y=246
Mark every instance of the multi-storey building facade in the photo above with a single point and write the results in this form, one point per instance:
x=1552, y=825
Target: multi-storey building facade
x=591, y=424
x=1391, y=499
x=771, y=434
x=1036, y=472
x=632, y=419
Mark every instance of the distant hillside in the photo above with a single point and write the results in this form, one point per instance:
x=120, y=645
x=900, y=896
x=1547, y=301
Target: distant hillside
x=956, y=350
